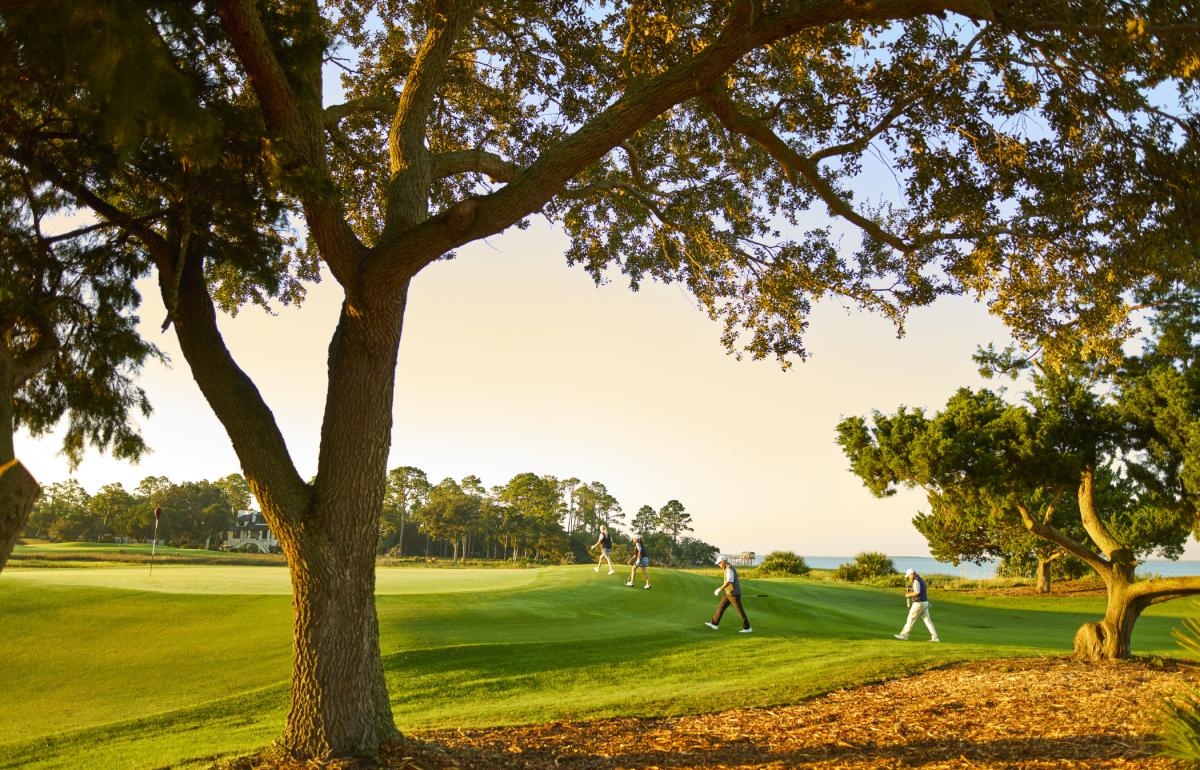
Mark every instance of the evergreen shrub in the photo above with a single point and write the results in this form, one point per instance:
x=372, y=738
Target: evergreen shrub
x=783, y=563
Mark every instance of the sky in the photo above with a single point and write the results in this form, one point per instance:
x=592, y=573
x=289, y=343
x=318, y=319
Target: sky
x=512, y=361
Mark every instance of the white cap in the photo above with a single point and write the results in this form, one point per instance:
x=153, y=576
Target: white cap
x=909, y=572
x=721, y=558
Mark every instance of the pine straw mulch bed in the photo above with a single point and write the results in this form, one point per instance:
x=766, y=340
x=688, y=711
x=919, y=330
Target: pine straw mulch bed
x=1063, y=589
x=1018, y=713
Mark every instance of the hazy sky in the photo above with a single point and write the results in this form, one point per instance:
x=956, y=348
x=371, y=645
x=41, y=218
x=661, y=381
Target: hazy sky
x=511, y=361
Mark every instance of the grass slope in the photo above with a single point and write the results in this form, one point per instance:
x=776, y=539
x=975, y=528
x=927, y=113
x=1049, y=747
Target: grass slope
x=112, y=669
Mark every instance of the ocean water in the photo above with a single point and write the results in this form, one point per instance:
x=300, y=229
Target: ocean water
x=968, y=571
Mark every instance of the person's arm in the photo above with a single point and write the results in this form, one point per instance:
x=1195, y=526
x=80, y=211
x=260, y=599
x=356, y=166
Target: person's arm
x=724, y=585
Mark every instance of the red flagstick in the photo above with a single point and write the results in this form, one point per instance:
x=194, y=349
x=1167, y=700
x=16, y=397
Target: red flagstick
x=154, y=542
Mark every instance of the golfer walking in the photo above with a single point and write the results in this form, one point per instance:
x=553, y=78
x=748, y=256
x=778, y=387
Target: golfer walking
x=919, y=608
x=732, y=590
x=604, y=543
x=640, y=559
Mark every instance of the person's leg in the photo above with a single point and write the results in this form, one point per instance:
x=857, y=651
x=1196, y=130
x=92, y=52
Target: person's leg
x=929, y=622
x=716, y=619
x=646, y=576
x=914, y=612
x=737, y=605
x=632, y=575
x=608, y=559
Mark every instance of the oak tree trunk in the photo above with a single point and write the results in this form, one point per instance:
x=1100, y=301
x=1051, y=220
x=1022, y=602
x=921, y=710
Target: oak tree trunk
x=340, y=704
x=339, y=701
x=328, y=529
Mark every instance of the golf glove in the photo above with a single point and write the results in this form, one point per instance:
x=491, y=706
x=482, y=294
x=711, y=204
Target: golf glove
x=717, y=592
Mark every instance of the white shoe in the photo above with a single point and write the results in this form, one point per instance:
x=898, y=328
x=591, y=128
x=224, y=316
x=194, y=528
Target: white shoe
x=609, y=572
x=629, y=583
x=646, y=586
x=597, y=569
x=713, y=626
x=901, y=638
x=746, y=631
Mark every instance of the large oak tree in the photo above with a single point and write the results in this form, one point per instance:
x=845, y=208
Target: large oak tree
x=673, y=141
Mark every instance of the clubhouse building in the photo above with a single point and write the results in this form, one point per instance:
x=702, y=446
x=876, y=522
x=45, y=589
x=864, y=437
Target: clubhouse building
x=250, y=533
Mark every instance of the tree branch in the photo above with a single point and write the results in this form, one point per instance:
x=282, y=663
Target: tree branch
x=138, y=226
x=364, y=105
x=235, y=400
x=408, y=193
x=1165, y=589
x=793, y=164
x=298, y=122
x=1114, y=549
x=1064, y=541
x=477, y=161
x=145, y=219
x=899, y=108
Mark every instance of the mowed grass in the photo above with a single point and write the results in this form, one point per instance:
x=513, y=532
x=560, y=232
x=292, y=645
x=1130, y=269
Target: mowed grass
x=114, y=669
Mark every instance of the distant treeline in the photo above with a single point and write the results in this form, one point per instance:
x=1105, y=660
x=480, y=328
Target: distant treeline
x=532, y=517
x=195, y=513
x=538, y=518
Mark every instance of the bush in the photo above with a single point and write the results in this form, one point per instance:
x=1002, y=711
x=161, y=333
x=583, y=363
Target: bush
x=870, y=564
x=783, y=563
x=870, y=567
x=846, y=572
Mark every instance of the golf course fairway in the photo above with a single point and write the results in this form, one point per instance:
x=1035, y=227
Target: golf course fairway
x=109, y=667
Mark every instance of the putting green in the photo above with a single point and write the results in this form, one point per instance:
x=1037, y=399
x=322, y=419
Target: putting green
x=190, y=579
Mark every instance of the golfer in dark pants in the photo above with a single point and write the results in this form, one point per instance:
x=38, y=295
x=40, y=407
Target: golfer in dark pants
x=732, y=588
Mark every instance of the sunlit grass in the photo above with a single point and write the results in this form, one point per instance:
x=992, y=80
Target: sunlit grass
x=104, y=669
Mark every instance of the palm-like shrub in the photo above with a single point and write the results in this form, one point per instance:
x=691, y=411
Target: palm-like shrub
x=783, y=563
x=870, y=564
x=867, y=566
x=1180, y=727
